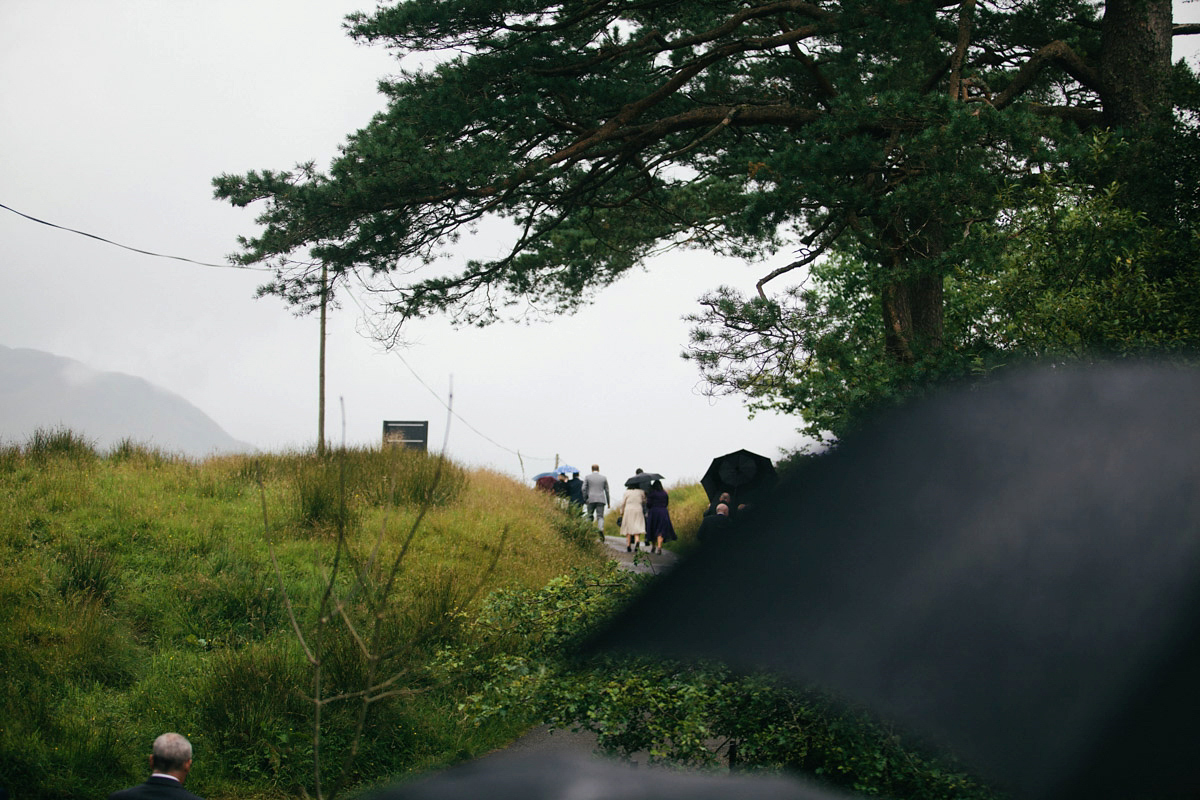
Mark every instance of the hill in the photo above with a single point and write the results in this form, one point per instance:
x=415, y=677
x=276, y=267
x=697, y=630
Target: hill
x=141, y=593
x=39, y=390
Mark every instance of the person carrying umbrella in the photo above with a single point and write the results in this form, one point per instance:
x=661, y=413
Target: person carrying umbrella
x=658, y=520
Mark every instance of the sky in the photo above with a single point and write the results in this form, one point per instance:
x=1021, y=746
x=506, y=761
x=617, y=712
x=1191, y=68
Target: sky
x=116, y=117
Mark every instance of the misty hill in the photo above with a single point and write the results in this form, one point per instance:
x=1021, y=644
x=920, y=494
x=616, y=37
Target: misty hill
x=42, y=390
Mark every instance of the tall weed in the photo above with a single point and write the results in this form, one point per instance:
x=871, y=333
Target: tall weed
x=321, y=496
x=88, y=572
x=45, y=444
x=129, y=451
x=250, y=705
x=93, y=646
x=11, y=458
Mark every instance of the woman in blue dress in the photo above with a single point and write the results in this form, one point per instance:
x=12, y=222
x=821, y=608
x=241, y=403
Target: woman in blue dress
x=658, y=520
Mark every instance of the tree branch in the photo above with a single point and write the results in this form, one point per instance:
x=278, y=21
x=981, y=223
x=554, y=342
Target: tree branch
x=1059, y=53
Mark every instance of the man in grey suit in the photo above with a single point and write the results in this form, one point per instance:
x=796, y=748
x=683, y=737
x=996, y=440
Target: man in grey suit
x=595, y=494
x=170, y=763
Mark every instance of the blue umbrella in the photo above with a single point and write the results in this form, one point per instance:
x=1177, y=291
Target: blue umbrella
x=566, y=470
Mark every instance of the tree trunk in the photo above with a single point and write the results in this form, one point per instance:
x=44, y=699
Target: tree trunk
x=1135, y=62
x=912, y=315
x=1135, y=73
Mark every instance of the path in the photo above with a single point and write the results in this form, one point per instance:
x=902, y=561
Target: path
x=644, y=562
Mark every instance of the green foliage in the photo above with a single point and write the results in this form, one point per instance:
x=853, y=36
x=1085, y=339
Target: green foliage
x=1068, y=271
x=519, y=652
x=606, y=133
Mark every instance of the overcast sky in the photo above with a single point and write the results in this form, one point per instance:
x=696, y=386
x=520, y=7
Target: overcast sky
x=118, y=114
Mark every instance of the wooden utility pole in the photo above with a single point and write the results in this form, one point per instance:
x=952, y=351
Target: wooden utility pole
x=321, y=365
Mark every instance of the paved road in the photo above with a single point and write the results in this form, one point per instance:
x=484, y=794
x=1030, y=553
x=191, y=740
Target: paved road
x=641, y=561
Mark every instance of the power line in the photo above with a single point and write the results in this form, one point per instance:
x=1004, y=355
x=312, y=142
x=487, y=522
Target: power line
x=365, y=313
x=448, y=407
x=125, y=246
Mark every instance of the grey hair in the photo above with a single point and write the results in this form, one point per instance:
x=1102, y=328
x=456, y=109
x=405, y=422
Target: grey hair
x=171, y=751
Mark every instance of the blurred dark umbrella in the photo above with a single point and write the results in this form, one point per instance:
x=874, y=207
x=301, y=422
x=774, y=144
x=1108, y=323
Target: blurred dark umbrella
x=552, y=776
x=745, y=475
x=642, y=480
x=1013, y=570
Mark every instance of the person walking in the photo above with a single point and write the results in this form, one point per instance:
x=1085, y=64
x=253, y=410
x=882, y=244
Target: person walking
x=595, y=494
x=170, y=763
x=633, y=518
x=658, y=519
x=575, y=492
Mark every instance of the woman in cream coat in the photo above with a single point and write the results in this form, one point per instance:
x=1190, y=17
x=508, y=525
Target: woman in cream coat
x=633, y=517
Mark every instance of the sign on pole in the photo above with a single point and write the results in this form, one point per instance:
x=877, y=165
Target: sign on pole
x=414, y=435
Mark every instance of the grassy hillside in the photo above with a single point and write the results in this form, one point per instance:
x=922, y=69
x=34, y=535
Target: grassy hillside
x=137, y=595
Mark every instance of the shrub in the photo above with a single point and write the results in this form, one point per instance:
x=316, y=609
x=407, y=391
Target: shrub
x=10, y=457
x=88, y=572
x=322, y=499
x=400, y=476
x=128, y=451
x=48, y=443
x=249, y=705
x=575, y=529
x=519, y=651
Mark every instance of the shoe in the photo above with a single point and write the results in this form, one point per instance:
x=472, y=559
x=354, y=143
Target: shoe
x=628, y=549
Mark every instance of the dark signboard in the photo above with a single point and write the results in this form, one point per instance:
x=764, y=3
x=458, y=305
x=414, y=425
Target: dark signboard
x=406, y=434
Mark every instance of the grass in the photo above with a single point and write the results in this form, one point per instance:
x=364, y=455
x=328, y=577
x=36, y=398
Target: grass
x=137, y=596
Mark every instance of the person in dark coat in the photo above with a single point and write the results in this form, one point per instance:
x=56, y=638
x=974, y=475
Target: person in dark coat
x=658, y=519
x=170, y=763
x=715, y=526
x=575, y=492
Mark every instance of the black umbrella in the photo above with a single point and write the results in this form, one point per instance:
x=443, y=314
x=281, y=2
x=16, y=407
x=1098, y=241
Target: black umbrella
x=745, y=475
x=1013, y=570
x=551, y=776
x=642, y=480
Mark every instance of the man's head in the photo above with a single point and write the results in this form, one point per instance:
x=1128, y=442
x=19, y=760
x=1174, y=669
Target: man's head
x=172, y=755
x=575, y=475
x=595, y=467
x=723, y=509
